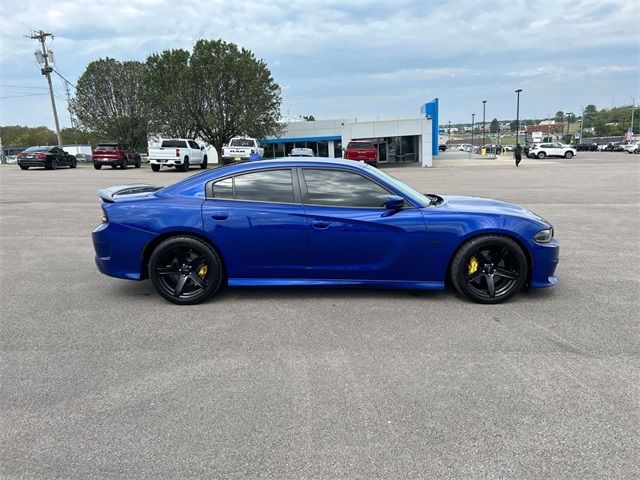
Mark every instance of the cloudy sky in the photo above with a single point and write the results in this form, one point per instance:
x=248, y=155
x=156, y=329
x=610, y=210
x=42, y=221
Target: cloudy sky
x=348, y=58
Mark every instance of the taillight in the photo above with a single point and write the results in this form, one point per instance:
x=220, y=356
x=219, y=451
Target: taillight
x=41, y=155
x=20, y=155
x=178, y=152
x=105, y=218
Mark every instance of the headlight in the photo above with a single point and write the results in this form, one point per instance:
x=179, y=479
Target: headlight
x=544, y=236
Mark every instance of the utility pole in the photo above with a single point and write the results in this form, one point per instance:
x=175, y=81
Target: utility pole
x=450, y=129
x=568, y=124
x=46, y=71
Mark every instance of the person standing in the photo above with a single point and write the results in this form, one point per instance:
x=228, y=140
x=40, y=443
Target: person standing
x=517, y=153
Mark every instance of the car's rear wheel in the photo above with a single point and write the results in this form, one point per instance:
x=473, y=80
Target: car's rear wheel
x=541, y=155
x=114, y=166
x=155, y=168
x=24, y=167
x=203, y=165
x=568, y=155
x=97, y=167
x=185, y=165
x=185, y=270
x=489, y=269
x=138, y=163
x=53, y=165
x=123, y=163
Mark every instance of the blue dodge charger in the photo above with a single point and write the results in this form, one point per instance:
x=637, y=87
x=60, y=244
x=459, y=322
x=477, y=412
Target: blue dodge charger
x=324, y=222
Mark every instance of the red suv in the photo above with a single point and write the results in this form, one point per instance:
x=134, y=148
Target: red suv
x=116, y=155
x=362, y=150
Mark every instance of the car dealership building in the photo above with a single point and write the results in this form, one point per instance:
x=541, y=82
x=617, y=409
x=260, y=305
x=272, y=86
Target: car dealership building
x=399, y=141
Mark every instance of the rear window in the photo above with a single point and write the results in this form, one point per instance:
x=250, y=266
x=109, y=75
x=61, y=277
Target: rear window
x=36, y=149
x=241, y=142
x=107, y=146
x=174, y=143
x=360, y=145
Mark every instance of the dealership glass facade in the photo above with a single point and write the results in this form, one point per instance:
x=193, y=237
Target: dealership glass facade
x=320, y=148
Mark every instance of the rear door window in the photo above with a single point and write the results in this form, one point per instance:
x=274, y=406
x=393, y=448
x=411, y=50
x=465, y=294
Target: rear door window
x=194, y=145
x=274, y=186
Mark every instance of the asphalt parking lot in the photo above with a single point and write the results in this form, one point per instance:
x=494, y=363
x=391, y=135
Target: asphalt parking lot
x=101, y=378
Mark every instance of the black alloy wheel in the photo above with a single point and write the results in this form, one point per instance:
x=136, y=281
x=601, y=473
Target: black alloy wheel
x=74, y=163
x=185, y=165
x=489, y=269
x=185, y=270
x=53, y=165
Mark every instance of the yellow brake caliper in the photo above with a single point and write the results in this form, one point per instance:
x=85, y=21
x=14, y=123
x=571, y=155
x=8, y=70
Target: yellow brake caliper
x=473, y=265
x=203, y=271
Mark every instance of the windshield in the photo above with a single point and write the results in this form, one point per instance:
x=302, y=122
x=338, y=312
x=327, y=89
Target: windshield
x=241, y=142
x=174, y=143
x=404, y=189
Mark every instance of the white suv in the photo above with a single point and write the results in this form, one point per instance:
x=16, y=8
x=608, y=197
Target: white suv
x=542, y=150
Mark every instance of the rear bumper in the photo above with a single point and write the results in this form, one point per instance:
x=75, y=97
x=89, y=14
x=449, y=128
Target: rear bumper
x=166, y=162
x=227, y=159
x=33, y=163
x=544, y=262
x=119, y=250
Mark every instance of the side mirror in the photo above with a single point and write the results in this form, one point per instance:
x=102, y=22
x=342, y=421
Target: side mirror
x=201, y=148
x=394, y=202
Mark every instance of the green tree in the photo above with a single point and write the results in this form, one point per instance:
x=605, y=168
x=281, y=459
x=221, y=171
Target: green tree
x=589, y=114
x=513, y=125
x=167, y=93
x=559, y=117
x=233, y=93
x=108, y=101
x=19, y=136
x=494, y=126
x=75, y=135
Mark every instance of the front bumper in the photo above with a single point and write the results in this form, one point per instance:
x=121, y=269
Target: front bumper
x=545, y=259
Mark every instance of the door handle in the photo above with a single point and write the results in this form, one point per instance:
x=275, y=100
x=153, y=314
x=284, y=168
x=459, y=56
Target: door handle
x=320, y=224
x=220, y=216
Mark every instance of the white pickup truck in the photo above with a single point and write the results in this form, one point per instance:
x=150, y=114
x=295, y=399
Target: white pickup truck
x=241, y=149
x=177, y=152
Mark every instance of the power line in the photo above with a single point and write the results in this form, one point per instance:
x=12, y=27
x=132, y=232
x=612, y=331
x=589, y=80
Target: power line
x=24, y=95
x=30, y=60
x=24, y=87
x=60, y=75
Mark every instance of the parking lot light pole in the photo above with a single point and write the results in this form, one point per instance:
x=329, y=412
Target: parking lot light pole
x=569, y=123
x=633, y=109
x=473, y=117
x=484, y=104
x=518, y=115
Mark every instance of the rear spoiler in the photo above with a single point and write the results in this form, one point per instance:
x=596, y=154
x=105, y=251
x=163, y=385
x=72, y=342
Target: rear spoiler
x=109, y=194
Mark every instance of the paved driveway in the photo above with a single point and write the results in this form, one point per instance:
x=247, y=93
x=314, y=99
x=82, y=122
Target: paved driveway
x=101, y=378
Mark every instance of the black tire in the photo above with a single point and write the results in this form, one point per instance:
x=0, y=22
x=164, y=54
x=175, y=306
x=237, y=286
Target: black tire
x=123, y=164
x=24, y=167
x=568, y=155
x=96, y=166
x=203, y=165
x=114, y=166
x=541, y=155
x=185, y=165
x=74, y=163
x=185, y=270
x=489, y=269
x=138, y=162
x=155, y=168
x=53, y=165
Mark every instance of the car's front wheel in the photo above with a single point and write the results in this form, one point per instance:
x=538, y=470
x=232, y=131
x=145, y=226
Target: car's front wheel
x=568, y=155
x=185, y=270
x=541, y=155
x=24, y=167
x=489, y=269
x=97, y=166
